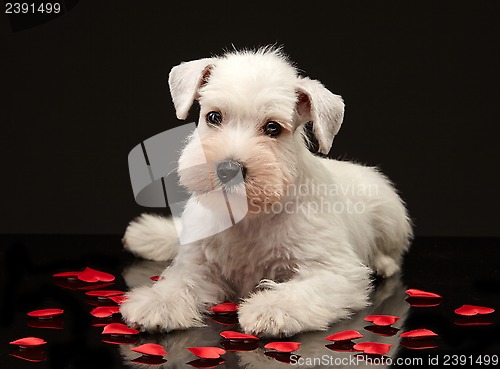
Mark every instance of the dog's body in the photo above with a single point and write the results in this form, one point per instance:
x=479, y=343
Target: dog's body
x=315, y=229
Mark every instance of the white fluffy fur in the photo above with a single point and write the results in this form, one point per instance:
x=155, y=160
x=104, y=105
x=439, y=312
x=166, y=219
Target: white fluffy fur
x=290, y=271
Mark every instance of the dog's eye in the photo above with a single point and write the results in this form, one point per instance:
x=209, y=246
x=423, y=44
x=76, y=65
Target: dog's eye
x=272, y=128
x=214, y=117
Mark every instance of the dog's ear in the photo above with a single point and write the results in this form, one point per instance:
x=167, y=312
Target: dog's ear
x=185, y=80
x=317, y=104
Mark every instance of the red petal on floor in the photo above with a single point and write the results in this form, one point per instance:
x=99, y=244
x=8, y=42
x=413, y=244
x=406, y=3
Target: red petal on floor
x=373, y=347
x=424, y=294
x=45, y=313
x=28, y=342
x=118, y=299
x=150, y=349
x=225, y=307
x=207, y=352
x=105, y=311
x=383, y=320
x=470, y=310
x=156, y=278
x=418, y=333
x=283, y=346
x=118, y=328
x=237, y=336
x=92, y=275
x=104, y=293
x=344, y=336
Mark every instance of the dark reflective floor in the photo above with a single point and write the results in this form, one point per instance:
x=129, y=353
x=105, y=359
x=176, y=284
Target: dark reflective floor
x=463, y=271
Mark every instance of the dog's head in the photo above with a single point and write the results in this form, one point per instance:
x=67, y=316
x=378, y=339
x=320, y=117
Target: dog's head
x=253, y=107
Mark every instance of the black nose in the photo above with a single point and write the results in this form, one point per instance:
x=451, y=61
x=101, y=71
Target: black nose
x=227, y=170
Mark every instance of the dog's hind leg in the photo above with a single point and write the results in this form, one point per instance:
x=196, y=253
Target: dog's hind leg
x=152, y=237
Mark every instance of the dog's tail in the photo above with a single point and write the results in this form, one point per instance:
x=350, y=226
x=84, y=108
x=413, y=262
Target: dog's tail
x=152, y=237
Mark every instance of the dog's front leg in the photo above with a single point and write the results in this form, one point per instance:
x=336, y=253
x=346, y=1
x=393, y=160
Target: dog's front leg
x=176, y=301
x=311, y=300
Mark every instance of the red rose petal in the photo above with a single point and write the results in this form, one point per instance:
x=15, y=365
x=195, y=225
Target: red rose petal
x=105, y=311
x=232, y=335
x=283, y=346
x=383, y=320
x=412, y=292
x=118, y=328
x=92, y=275
x=344, y=336
x=207, y=352
x=104, y=293
x=28, y=342
x=45, y=313
x=118, y=299
x=373, y=347
x=150, y=349
x=225, y=307
x=155, y=278
x=470, y=310
x=418, y=333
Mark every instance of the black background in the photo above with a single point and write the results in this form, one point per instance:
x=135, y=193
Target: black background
x=420, y=81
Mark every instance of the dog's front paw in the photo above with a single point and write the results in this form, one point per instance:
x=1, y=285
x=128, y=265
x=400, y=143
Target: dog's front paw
x=267, y=317
x=148, y=309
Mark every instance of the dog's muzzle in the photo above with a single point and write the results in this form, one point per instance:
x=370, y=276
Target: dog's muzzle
x=227, y=170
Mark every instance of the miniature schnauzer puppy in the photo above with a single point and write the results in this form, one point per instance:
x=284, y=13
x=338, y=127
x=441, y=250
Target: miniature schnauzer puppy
x=314, y=229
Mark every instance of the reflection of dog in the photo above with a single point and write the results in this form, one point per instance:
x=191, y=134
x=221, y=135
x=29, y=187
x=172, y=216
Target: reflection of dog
x=315, y=228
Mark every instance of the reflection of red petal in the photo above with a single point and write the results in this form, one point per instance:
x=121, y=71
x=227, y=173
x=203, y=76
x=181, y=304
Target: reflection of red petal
x=420, y=344
x=283, y=346
x=34, y=355
x=104, y=293
x=207, y=352
x=239, y=346
x=53, y=323
x=418, y=333
x=91, y=276
x=237, y=336
x=344, y=336
x=373, y=347
x=28, y=342
x=120, y=340
x=225, y=307
x=65, y=274
x=342, y=346
x=227, y=320
x=469, y=310
x=150, y=349
x=423, y=294
x=105, y=311
x=206, y=363
x=45, y=313
x=424, y=301
x=475, y=320
x=383, y=320
x=149, y=360
x=94, y=286
x=118, y=328
x=382, y=330
x=282, y=357
x=118, y=299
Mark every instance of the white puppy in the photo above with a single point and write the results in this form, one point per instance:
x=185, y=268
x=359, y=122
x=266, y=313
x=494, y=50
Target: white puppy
x=314, y=229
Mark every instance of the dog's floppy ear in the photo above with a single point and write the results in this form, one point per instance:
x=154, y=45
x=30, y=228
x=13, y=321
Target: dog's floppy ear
x=185, y=80
x=317, y=104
